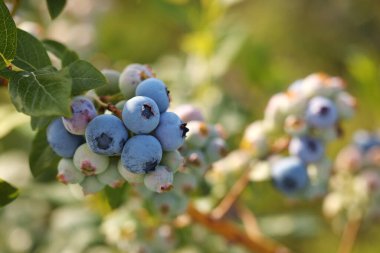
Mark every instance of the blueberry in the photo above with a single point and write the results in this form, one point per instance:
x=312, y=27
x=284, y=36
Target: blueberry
x=216, y=149
x=67, y=173
x=172, y=159
x=295, y=126
x=159, y=180
x=91, y=185
x=308, y=149
x=112, y=85
x=88, y=162
x=198, y=134
x=83, y=111
x=349, y=159
x=170, y=204
x=196, y=162
x=141, y=115
x=171, y=131
x=61, y=141
x=130, y=177
x=346, y=105
x=141, y=154
x=321, y=113
x=184, y=182
x=106, y=135
x=365, y=140
x=120, y=105
x=156, y=90
x=131, y=76
x=320, y=84
x=256, y=140
x=189, y=113
x=289, y=175
x=111, y=176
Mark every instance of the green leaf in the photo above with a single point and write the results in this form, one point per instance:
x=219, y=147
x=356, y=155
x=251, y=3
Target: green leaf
x=8, y=38
x=115, y=196
x=42, y=158
x=44, y=92
x=31, y=54
x=8, y=193
x=55, y=7
x=84, y=77
x=66, y=55
x=40, y=122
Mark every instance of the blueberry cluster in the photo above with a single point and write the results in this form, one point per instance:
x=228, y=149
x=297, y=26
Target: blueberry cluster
x=300, y=122
x=205, y=143
x=137, y=145
x=355, y=185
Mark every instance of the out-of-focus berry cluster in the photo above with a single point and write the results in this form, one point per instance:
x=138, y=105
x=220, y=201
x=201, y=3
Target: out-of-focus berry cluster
x=296, y=128
x=355, y=185
x=135, y=140
x=205, y=143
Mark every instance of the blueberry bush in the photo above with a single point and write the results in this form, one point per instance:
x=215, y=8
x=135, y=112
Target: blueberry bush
x=189, y=126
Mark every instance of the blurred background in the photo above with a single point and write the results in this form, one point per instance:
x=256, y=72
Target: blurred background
x=228, y=57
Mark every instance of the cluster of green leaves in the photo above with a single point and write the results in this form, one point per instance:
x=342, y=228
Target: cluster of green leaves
x=39, y=89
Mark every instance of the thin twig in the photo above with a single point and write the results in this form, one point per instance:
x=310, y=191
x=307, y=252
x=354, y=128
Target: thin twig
x=231, y=197
x=249, y=222
x=15, y=6
x=111, y=107
x=3, y=82
x=349, y=236
x=230, y=232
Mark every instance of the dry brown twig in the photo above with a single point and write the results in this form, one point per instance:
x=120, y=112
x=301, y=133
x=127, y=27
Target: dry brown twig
x=349, y=235
x=228, y=201
x=230, y=232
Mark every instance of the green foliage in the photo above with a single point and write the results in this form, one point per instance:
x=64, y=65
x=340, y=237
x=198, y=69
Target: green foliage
x=115, y=196
x=66, y=55
x=44, y=92
x=8, y=193
x=31, y=54
x=40, y=122
x=55, y=7
x=8, y=36
x=42, y=158
x=84, y=77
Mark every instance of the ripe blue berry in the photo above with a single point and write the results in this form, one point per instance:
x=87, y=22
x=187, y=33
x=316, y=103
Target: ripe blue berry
x=88, y=162
x=67, y=173
x=159, y=180
x=171, y=131
x=308, y=149
x=365, y=140
x=289, y=175
x=106, y=135
x=321, y=112
x=141, y=154
x=83, y=111
x=61, y=141
x=141, y=115
x=131, y=76
x=156, y=90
